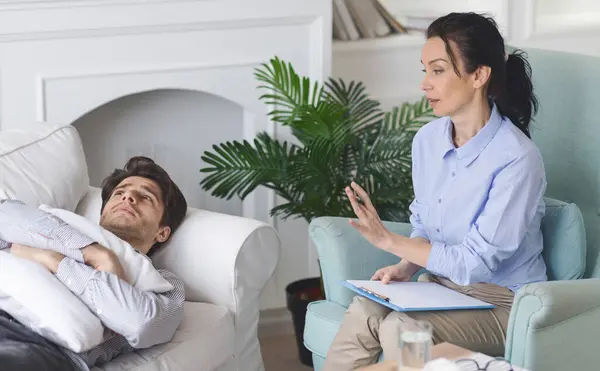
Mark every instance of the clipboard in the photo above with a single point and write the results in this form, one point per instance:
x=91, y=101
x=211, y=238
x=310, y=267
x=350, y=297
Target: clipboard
x=415, y=296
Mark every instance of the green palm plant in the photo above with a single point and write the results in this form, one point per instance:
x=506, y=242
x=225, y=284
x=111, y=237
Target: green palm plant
x=342, y=136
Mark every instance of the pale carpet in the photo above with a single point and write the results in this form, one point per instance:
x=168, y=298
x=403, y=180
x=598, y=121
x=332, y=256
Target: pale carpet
x=278, y=342
x=280, y=353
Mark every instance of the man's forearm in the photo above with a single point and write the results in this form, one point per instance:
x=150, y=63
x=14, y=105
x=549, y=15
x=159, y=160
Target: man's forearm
x=143, y=318
x=29, y=226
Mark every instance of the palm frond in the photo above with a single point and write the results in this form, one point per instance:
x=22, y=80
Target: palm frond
x=237, y=168
x=361, y=109
x=317, y=121
x=409, y=117
x=287, y=91
x=390, y=153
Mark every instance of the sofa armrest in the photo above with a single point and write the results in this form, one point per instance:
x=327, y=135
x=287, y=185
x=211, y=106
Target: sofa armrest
x=222, y=259
x=345, y=254
x=554, y=326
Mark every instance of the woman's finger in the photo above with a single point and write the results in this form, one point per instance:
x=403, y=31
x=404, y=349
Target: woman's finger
x=357, y=207
x=377, y=275
x=364, y=196
x=357, y=224
x=386, y=278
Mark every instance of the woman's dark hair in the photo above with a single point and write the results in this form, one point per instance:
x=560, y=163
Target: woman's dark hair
x=479, y=42
x=173, y=199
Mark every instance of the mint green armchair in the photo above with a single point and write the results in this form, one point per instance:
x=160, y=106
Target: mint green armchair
x=553, y=325
x=538, y=318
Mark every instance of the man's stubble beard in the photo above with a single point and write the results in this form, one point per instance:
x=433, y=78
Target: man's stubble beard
x=133, y=235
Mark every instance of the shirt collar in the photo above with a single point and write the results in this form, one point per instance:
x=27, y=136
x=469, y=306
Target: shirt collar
x=471, y=150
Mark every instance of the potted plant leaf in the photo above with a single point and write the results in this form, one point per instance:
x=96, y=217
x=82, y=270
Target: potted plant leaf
x=342, y=135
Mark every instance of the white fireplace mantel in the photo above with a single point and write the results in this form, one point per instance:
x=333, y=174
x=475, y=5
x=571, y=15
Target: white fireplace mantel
x=60, y=60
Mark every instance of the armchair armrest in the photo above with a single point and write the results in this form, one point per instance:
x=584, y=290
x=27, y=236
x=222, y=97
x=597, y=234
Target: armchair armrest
x=345, y=254
x=554, y=326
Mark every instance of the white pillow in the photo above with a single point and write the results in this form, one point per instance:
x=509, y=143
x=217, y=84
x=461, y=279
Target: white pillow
x=43, y=164
x=57, y=313
x=138, y=267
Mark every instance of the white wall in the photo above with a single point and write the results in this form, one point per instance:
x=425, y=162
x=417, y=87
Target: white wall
x=558, y=7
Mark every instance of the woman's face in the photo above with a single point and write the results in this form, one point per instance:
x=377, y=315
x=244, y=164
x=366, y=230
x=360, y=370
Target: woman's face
x=448, y=93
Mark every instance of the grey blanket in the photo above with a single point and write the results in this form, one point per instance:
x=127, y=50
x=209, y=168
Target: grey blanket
x=24, y=350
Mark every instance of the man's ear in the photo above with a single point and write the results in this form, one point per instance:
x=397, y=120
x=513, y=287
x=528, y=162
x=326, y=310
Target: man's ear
x=481, y=76
x=163, y=234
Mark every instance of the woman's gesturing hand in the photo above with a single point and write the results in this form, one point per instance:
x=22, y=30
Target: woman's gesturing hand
x=368, y=224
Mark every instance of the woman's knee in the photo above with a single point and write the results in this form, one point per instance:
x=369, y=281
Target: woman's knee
x=362, y=307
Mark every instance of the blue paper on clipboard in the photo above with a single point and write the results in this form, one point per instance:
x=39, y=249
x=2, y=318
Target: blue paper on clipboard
x=415, y=296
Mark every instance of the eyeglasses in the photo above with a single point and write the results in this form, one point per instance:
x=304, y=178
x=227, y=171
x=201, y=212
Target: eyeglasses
x=496, y=364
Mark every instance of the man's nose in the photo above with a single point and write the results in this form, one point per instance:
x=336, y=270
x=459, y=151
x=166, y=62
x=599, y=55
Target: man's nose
x=127, y=196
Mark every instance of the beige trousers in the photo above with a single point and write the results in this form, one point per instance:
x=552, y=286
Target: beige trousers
x=369, y=327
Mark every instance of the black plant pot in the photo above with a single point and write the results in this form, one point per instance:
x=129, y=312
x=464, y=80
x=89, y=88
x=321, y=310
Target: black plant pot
x=298, y=295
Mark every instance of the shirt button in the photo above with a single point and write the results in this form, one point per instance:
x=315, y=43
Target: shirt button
x=453, y=173
x=438, y=230
x=99, y=311
x=69, y=282
x=439, y=201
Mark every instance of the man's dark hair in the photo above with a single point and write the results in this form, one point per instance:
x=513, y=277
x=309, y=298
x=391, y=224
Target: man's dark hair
x=173, y=199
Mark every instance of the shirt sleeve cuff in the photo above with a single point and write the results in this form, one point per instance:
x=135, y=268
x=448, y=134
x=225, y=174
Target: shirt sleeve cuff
x=419, y=233
x=74, y=275
x=69, y=242
x=437, y=259
x=4, y=244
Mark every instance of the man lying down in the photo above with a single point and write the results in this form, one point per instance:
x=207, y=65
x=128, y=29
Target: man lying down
x=142, y=206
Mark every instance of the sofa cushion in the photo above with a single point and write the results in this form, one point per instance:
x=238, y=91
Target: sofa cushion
x=323, y=320
x=564, y=240
x=203, y=342
x=43, y=165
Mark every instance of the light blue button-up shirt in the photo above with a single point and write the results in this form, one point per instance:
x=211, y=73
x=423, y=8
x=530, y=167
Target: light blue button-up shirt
x=480, y=205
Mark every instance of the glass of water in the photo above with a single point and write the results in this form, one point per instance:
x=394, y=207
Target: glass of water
x=415, y=341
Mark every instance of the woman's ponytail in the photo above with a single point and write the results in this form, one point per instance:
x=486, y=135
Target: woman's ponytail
x=517, y=101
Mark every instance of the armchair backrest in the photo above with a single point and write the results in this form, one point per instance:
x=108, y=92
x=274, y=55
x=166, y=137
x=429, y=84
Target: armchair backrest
x=564, y=240
x=566, y=132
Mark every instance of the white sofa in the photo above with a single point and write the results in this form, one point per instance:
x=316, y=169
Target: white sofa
x=225, y=261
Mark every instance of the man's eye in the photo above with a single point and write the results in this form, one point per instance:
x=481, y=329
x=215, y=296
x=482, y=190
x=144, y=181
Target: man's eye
x=147, y=198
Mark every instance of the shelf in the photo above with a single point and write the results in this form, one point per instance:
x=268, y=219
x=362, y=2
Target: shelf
x=558, y=25
x=407, y=40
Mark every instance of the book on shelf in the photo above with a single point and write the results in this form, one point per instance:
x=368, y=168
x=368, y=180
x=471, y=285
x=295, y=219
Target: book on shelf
x=369, y=19
x=345, y=23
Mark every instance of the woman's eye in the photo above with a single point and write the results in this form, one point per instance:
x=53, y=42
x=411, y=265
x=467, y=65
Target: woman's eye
x=423, y=70
x=437, y=72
